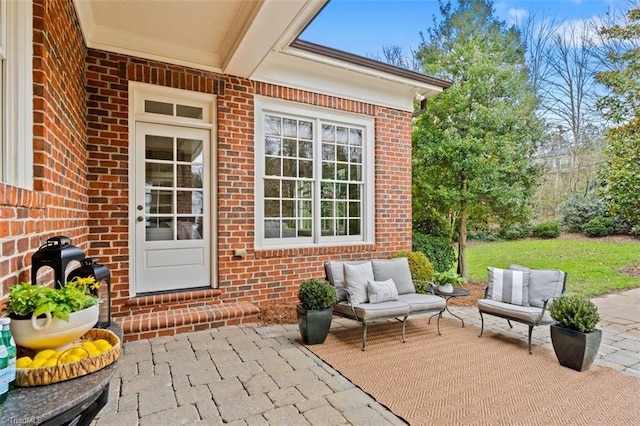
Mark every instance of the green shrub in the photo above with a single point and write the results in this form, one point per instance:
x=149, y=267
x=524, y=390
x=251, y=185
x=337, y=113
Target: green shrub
x=547, y=230
x=434, y=225
x=316, y=293
x=516, y=232
x=579, y=209
x=483, y=235
x=598, y=227
x=420, y=267
x=575, y=313
x=439, y=251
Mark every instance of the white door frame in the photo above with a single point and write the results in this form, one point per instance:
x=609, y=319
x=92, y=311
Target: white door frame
x=138, y=113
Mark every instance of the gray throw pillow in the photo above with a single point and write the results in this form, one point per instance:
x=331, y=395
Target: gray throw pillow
x=510, y=286
x=356, y=278
x=543, y=283
x=395, y=269
x=382, y=291
x=334, y=271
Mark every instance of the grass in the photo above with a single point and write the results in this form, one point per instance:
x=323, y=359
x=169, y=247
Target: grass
x=593, y=267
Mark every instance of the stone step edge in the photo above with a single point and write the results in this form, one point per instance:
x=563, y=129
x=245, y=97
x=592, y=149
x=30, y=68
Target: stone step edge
x=166, y=298
x=187, y=319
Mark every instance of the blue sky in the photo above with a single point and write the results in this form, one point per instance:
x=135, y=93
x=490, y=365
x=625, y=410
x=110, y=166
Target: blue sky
x=362, y=27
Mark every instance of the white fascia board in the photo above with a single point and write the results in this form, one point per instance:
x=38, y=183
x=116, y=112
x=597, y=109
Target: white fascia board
x=275, y=20
x=337, y=78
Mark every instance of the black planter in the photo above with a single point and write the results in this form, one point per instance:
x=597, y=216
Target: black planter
x=574, y=349
x=314, y=325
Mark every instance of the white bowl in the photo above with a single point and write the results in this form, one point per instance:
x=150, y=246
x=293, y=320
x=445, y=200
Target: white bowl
x=53, y=333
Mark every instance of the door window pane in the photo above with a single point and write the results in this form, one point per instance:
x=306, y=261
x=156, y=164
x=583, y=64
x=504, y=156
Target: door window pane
x=158, y=148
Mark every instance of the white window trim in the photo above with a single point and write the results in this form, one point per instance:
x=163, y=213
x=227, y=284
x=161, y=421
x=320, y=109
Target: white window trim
x=265, y=105
x=16, y=138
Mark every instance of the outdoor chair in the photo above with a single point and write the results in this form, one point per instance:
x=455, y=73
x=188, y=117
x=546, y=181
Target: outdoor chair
x=521, y=294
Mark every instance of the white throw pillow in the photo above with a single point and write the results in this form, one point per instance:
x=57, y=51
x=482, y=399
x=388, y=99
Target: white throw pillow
x=356, y=278
x=382, y=291
x=510, y=286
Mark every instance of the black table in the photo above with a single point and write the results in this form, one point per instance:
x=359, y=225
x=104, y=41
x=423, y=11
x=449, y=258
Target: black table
x=457, y=292
x=77, y=400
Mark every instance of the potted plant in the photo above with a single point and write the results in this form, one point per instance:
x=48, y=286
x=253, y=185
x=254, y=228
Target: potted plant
x=447, y=280
x=575, y=338
x=315, y=309
x=45, y=318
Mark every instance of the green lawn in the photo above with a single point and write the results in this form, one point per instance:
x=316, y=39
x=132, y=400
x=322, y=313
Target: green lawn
x=592, y=266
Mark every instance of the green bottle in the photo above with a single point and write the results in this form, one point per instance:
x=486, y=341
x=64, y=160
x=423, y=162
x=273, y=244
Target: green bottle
x=11, y=350
x=4, y=372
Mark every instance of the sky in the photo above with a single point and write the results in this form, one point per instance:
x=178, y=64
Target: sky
x=363, y=27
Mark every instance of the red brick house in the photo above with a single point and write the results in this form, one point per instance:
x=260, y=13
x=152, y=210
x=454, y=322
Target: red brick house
x=201, y=152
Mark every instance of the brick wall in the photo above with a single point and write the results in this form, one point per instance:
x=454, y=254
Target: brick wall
x=58, y=203
x=265, y=275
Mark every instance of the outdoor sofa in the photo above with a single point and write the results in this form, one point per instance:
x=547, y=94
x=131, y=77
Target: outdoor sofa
x=378, y=289
x=521, y=294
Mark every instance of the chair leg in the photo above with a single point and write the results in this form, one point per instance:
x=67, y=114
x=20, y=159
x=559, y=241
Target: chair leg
x=481, y=324
x=439, y=316
x=404, y=323
x=530, y=332
x=364, y=336
x=509, y=322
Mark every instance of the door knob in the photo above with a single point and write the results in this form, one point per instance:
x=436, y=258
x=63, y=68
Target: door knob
x=140, y=218
x=140, y=207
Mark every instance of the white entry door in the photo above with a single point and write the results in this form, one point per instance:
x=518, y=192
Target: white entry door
x=172, y=215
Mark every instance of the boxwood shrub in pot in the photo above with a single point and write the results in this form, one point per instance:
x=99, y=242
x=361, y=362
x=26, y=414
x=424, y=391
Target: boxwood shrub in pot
x=315, y=310
x=574, y=337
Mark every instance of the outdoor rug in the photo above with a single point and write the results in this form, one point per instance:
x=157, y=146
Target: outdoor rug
x=459, y=378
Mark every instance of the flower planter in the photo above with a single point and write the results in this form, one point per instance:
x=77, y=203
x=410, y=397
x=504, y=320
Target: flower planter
x=53, y=333
x=447, y=288
x=575, y=350
x=314, y=324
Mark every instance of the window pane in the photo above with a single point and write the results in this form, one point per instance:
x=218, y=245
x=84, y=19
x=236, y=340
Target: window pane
x=189, y=176
x=328, y=171
x=356, y=155
x=189, y=202
x=160, y=202
x=189, y=228
x=189, y=150
x=328, y=133
x=289, y=148
x=356, y=173
x=157, y=174
x=272, y=208
x=272, y=125
x=354, y=209
x=305, y=150
x=342, y=135
x=289, y=168
x=289, y=229
x=304, y=228
x=341, y=227
x=354, y=227
x=159, y=229
x=326, y=208
x=272, y=229
x=272, y=166
x=272, y=188
x=326, y=226
x=288, y=189
x=341, y=209
x=158, y=148
x=305, y=169
x=341, y=171
x=288, y=208
x=290, y=128
x=272, y=146
x=341, y=191
x=305, y=130
x=305, y=209
x=189, y=112
x=354, y=192
x=327, y=190
x=355, y=137
x=158, y=107
x=304, y=190
x=342, y=153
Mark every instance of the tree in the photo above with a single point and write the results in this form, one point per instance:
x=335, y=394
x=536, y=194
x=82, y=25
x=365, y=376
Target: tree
x=473, y=146
x=621, y=172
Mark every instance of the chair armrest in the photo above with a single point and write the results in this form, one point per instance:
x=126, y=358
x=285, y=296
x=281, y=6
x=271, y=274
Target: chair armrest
x=485, y=290
x=349, y=294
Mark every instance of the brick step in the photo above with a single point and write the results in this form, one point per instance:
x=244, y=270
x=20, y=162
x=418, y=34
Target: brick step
x=176, y=300
x=175, y=321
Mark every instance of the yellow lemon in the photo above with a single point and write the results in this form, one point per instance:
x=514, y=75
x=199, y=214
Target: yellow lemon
x=37, y=363
x=44, y=354
x=51, y=362
x=55, y=355
x=80, y=353
x=89, y=345
x=23, y=362
x=102, y=346
x=99, y=342
x=94, y=352
x=71, y=358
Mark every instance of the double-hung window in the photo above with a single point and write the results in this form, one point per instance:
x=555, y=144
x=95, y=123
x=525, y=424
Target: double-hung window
x=16, y=100
x=314, y=176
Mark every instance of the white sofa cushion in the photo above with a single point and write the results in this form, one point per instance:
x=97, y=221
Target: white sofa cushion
x=382, y=291
x=508, y=285
x=356, y=278
x=396, y=269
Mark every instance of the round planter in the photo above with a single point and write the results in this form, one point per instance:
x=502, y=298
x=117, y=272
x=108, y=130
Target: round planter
x=447, y=288
x=314, y=325
x=53, y=333
x=575, y=350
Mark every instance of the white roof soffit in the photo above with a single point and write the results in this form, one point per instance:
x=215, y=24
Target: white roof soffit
x=222, y=36
x=325, y=74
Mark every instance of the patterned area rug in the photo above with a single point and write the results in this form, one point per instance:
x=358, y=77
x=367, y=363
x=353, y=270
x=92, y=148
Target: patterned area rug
x=458, y=378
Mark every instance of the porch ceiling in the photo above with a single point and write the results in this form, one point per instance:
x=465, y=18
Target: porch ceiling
x=223, y=36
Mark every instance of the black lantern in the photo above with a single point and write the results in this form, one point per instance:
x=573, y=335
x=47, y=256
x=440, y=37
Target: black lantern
x=56, y=253
x=90, y=268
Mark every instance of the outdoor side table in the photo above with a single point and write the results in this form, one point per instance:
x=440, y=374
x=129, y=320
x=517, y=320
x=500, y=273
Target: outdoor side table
x=457, y=292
